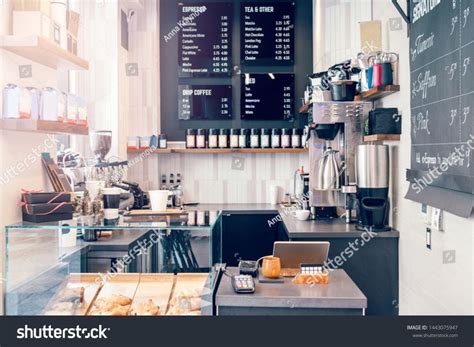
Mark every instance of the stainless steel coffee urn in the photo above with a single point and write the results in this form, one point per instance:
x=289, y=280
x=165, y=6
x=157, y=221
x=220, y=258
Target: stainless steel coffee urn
x=372, y=177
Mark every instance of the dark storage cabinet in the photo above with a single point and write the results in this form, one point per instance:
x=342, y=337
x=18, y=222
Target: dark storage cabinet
x=248, y=236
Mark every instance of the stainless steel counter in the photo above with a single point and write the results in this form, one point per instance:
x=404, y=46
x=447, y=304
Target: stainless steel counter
x=339, y=295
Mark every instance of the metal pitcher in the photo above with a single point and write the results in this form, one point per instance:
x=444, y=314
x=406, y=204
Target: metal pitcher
x=328, y=171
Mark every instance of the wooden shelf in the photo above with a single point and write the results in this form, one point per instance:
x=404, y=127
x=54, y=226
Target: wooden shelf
x=377, y=93
x=43, y=126
x=43, y=51
x=225, y=150
x=382, y=137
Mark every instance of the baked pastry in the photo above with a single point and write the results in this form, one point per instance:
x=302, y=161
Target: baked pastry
x=145, y=309
x=185, y=303
x=115, y=305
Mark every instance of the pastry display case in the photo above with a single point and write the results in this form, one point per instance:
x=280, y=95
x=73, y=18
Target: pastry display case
x=150, y=266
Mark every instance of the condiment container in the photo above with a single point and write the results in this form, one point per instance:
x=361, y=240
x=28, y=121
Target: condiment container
x=285, y=138
x=234, y=138
x=133, y=142
x=223, y=138
x=145, y=142
x=254, y=138
x=71, y=109
x=265, y=138
x=296, y=138
x=49, y=104
x=201, y=138
x=163, y=141
x=244, y=138
x=81, y=111
x=191, y=138
x=213, y=138
x=276, y=138
x=29, y=103
x=11, y=101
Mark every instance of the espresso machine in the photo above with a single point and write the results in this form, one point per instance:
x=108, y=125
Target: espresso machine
x=335, y=133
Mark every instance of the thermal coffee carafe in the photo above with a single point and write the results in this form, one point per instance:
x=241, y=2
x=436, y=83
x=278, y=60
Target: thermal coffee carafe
x=328, y=171
x=372, y=176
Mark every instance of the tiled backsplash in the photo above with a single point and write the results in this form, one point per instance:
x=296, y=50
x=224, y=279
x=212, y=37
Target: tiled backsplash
x=221, y=178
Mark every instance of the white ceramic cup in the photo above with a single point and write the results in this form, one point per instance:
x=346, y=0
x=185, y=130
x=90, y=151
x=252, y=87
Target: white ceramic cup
x=159, y=199
x=300, y=214
x=212, y=217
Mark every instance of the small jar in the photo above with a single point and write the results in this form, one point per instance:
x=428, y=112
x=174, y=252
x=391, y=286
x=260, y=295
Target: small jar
x=191, y=138
x=234, y=138
x=163, y=141
x=213, y=138
x=244, y=138
x=223, y=138
x=201, y=138
x=276, y=138
x=254, y=138
x=285, y=138
x=265, y=138
x=296, y=138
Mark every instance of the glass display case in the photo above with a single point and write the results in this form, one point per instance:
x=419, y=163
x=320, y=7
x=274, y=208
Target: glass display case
x=145, y=266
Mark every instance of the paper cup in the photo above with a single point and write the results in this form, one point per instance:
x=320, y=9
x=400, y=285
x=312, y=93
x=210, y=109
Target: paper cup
x=159, y=199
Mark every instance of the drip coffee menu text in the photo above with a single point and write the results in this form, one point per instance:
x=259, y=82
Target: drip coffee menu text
x=267, y=33
x=197, y=102
x=205, y=39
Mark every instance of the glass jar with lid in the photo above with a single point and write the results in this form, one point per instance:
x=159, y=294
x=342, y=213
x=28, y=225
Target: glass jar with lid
x=244, y=138
x=285, y=138
x=234, y=138
x=296, y=138
x=265, y=138
x=201, y=138
x=254, y=138
x=213, y=137
x=191, y=138
x=223, y=138
x=275, y=138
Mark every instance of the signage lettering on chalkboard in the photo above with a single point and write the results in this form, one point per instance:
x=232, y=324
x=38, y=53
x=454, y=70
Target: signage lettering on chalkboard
x=442, y=92
x=201, y=102
x=205, y=43
x=267, y=33
x=267, y=96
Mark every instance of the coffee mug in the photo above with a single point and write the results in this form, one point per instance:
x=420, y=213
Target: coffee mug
x=300, y=214
x=111, y=202
x=271, y=266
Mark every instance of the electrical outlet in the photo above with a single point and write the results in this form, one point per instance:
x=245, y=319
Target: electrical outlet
x=437, y=219
x=428, y=238
x=426, y=214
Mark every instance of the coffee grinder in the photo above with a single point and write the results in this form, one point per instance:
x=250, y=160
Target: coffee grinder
x=373, y=176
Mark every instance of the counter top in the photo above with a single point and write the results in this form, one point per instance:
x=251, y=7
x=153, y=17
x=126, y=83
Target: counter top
x=295, y=228
x=340, y=292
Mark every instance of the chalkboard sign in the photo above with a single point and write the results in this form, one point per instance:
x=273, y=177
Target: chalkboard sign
x=205, y=39
x=267, y=96
x=267, y=33
x=204, y=102
x=442, y=93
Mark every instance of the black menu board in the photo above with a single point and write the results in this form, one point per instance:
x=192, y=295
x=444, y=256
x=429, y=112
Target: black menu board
x=267, y=96
x=442, y=93
x=205, y=39
x=267, y=33
x=204, y=102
